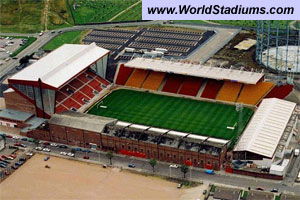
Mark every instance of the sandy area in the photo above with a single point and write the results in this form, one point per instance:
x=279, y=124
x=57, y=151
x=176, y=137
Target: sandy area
x=69, y=179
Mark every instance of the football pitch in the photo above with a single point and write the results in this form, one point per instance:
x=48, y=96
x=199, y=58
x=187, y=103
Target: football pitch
x=180, y=114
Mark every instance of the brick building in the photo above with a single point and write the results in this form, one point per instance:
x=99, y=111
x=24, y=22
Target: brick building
x=79, y=129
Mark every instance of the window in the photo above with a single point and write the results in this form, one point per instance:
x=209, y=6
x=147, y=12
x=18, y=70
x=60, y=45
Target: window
x=129, y=147
x=181, y=158
x=123, y=146
x=168, y=155
x=135, y=149
x=142, y=150
x=148, y=152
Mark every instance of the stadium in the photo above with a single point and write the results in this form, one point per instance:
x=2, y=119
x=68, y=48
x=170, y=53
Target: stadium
x=172, y=111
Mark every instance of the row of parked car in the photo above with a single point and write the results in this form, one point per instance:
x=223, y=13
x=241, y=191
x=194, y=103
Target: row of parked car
x=9, y=163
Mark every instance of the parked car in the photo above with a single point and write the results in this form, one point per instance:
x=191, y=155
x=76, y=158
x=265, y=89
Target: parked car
x=3, y=134
x=38, y=148
x=16, y=137
x=260, y=188
x=23, y=145
x=274, y=190
x=86, y=157
x=179, y=185
x=17, y=144
x=18, y=163
x=78, y=149
x=9, y=136
x=63, y=153
x=104, y=166
x=59, y=31
x=3, y=163
x=10, y=158
x=30, y=140
x=4, y=156
x=174, y=166
x=46, y=149
x=7, y=173
x=24, y=139
x=14, y=167
x=46, y=143
x=2, y=166
x=131, y=165
x=71, y=154
x=22, y=159
x=46, y=158
x=53, y=145
x=13, y=155
x=29, y=154
x=210, y=171
x=85, y=150
x=63, y=146
x=204, y=192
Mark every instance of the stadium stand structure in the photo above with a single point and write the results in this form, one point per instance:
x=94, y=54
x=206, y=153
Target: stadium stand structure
x=137, y=78
x=280, y=91
x=190, y=86
x=154, y=80
x=173, y=83
x=123, y=74
x=229, y=91
x=62, y=80
x=211, y=89
x=252, y=94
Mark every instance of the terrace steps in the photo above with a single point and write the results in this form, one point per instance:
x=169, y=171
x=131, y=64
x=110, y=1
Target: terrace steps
x=204, y=81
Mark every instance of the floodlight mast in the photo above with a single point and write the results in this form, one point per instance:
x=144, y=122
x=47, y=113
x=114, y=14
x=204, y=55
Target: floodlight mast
x=239, y=108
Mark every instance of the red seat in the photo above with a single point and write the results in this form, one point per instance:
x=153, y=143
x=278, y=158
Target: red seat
x=123, y=74
x=190, y=86
x=211, y=89
x=173, y=83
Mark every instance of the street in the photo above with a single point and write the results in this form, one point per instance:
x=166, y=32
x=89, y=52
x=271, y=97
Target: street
x=163, y=169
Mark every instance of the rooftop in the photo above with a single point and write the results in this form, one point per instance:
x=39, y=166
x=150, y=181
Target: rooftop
x=255, y=195
x=266, y=127
x=195, y=70
x=15, y=115
x=62, y=64
x=227, y=193
x=81, y=121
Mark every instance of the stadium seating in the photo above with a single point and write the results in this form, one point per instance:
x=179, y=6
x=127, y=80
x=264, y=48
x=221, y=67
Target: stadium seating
x=137, y=78
x=190, y=86
x=280, y=91
x=79, y=91
x=251, y=94
x=229, y=91
x=173, y=83
x=211, y=89
x=123, y=75
x=154, y=80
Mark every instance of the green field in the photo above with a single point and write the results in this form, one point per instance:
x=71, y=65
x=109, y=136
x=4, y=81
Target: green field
x=131, y=15
x=186, y=115
x=21, y=16
x=98, y=10
x=72, y=37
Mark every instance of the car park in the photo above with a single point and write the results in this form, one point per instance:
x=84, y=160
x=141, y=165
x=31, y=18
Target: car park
x=46, y=150
x=174, y=166
x=131, y=165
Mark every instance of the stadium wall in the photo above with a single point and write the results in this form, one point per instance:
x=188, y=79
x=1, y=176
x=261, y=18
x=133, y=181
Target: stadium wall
x=17, y=102
x=105, y=142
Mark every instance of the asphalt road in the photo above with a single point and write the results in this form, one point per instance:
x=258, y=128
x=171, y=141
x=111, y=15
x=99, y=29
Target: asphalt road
x=163, y=169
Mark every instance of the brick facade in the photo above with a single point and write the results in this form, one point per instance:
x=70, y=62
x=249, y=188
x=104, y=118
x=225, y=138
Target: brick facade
x=17, y=102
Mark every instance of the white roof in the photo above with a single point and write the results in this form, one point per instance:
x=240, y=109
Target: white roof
x=177, y=134
x=139, y=127
x=195, y=70
x=122, y=124
x=266, y=127
x=158, y=130
x=196, y=137
x=62, y=64
x=216, y=140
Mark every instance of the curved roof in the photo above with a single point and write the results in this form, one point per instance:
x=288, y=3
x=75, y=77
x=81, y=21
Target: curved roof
x=266, y=127
x=61, y=65
x=195, y=70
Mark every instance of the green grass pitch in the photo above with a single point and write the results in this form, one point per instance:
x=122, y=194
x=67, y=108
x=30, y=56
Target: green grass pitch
x=181, y=114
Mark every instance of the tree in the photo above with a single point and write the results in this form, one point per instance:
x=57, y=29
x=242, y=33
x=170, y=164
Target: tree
x=110, y=155
x=153, y=163
x=73, y=151
x=184, y=169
